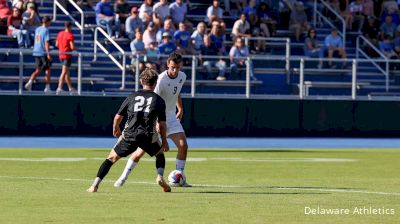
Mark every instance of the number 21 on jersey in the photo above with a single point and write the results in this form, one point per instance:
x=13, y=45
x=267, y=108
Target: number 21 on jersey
x=139, y=105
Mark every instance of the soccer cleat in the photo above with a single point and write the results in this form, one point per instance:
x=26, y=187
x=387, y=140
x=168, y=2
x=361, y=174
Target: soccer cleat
x=160, y=181
x=47, y=90
x=59, y=91
x=28, y=86
x=119, y=183
x=92, y=189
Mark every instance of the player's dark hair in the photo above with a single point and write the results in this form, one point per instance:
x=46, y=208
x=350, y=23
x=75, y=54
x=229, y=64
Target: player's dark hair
x=175, y=57
x=67, y=24
x=149, y=77
x=46, y=19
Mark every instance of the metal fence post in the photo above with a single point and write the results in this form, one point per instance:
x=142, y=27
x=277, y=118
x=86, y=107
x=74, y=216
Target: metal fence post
x=79, y=74
x=21, y=72
x=137, y=73
x=301, y=79
x=354, y=80
x=287, y=66
x=123, y=71
x=193, y=82
x=248, y=63
x=95, y=45
x=387, y=76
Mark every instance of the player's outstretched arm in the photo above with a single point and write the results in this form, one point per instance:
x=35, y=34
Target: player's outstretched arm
x=163, y=132
x=117, y=121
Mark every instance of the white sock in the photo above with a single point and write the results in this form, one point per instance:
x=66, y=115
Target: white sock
x=48, y=86
x=160, y=171
x=30, y=81
x=96, y=182
x=180, y=164
x=130, y=165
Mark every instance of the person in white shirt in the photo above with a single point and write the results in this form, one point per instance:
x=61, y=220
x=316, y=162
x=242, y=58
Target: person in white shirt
x=241, y=27
x=160, y=12
x=169, y=86
x=146, y=11
x=214, y=12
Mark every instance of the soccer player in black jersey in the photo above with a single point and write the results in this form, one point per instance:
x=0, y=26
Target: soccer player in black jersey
x=143, y=110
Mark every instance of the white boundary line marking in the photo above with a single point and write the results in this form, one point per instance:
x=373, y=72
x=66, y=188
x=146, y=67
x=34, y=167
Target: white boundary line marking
x=219, y=186
x=193, y=159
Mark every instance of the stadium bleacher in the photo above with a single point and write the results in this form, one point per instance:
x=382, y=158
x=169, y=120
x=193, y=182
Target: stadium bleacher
x=104, y=76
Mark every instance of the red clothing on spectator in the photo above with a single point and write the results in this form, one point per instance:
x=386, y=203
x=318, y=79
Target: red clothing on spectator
x=64, y=39
x=4, y=9
x=15, y=22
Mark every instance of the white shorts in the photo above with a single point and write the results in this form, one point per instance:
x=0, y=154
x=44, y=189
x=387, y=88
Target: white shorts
x=174, y=126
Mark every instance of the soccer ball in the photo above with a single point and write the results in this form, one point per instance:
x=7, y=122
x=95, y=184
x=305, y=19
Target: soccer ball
x=177, y=177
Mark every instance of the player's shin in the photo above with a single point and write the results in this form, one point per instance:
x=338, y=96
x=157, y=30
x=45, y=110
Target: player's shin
x=160, y=164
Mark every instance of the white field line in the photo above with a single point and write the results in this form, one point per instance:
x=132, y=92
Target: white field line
x=332, y=190
x=268, y=160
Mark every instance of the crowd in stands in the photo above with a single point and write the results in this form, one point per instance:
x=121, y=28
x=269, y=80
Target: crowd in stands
x=159, y=28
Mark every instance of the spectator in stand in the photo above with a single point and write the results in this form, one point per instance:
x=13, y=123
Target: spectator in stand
x=311, y=47
x=146, y=11
x=356, y=10
x=105, y=16
x=165, y=48
x=298, y=20
x=168, y=27
x=241, y=28
x=151, y=57
x=217, y=36
x=264, y=17
x=132, y=23
x=65, y=44
x=5, y=12
x=392, y=11
x=371, y=30
x=240, y=4
x=178, y=11
x=138, y=49
x=41, y=52
x=259, y=30
x=388, y=27
x=15, y=29
x=250, y=9
x=334, y=45
x=368, y=7
x=19, y=4
x=122, y=10
x=214, y=12
x=386, y=46
x=30, y=20
x=182, y=40
x=396, y=42
x=30, y=3
x=197, y=37
x=149, y=35
x=209, y=49
x=160, y=12
x=237, y=55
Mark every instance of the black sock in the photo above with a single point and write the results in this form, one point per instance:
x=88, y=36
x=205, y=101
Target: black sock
x=160, y=164
x=104, y=168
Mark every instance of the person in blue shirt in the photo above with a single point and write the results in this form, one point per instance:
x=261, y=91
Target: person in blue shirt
x=41, y=52
x=138, y=49
x=334, y=44
x=182, y=39
x=105, y=16
x=165, y=48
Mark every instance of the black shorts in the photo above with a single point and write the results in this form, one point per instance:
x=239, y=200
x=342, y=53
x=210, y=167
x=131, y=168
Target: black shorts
x=42, y=62
x=124, y=148
x=66, y=61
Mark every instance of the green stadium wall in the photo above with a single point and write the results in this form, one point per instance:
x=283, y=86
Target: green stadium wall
x=92, y=116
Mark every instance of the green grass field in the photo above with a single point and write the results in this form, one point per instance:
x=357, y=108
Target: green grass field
x=230, y=186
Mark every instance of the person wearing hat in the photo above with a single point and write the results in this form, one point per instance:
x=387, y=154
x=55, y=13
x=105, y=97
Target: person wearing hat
x=165, y=48
x=132, y=23
x=149, y=35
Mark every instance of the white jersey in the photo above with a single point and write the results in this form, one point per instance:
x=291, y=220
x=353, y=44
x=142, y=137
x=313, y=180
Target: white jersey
x=169, y=89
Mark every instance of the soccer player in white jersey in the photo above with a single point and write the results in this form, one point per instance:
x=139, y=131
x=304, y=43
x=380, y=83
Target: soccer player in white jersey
x=169, y=85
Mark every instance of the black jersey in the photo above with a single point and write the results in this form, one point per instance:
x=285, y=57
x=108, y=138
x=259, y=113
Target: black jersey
x=142, y=109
